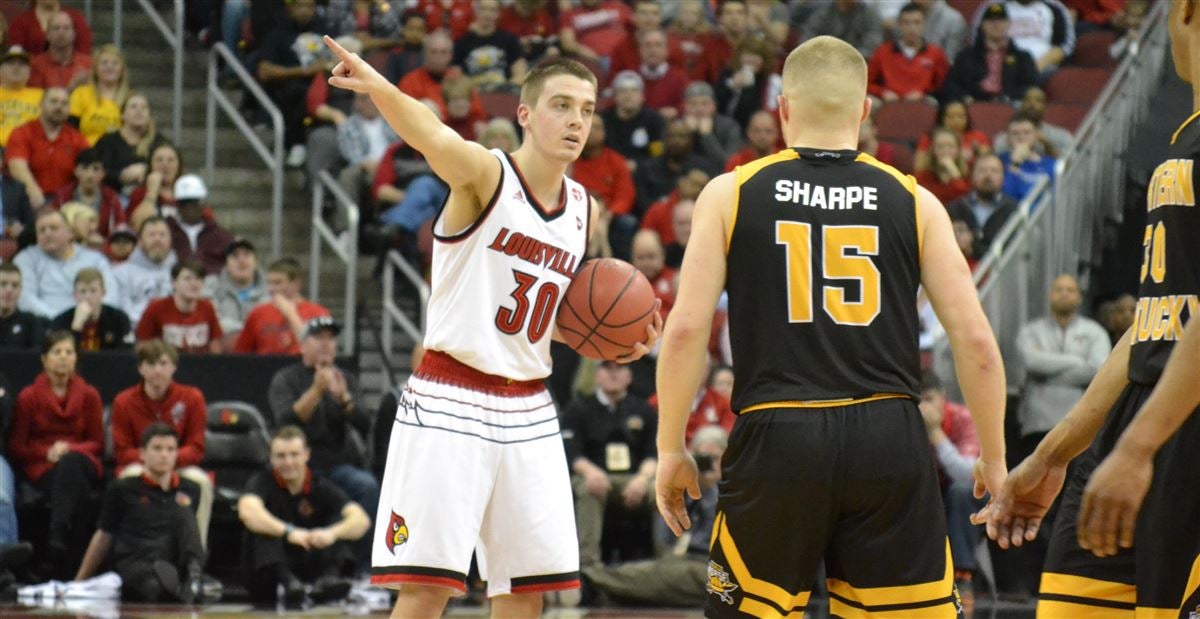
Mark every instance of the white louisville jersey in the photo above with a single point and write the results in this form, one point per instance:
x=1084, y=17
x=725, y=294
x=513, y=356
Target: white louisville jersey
x=497, y=284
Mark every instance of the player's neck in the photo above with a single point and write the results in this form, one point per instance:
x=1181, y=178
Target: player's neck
x=542, y=174
x=823, y=139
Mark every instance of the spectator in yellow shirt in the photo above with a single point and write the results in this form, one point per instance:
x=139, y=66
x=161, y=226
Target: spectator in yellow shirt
x=19, y=103
x=96, y=106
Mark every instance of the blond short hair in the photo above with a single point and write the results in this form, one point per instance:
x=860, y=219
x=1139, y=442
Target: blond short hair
x=826, y=79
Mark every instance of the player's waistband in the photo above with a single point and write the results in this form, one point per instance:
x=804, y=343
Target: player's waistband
x=823, y=403
x=439, y=367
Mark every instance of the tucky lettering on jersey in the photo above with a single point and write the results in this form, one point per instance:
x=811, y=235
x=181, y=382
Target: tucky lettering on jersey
x=534, y=251
x=1162, y=318
x=1172, y=185
x=825, y=198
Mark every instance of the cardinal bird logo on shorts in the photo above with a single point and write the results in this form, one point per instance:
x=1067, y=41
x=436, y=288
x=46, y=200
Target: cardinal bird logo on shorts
x=719, y=583
x=397, y=532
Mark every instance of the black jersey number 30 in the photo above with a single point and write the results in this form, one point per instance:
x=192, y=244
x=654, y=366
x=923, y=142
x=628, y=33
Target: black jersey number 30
x=837, y=264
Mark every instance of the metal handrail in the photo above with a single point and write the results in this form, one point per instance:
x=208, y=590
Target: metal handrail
x=392, y=314
x=347, y=253
x=272, y=158
x=175, y=41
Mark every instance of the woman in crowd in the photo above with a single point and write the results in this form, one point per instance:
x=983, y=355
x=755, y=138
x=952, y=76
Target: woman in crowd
x=953, y=115
x=126, y=152
x=947, y=176
x=95, y=107
x=56, y=440
x=157, y=195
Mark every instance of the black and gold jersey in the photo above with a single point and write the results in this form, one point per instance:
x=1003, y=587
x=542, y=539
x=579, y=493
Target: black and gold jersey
x=823, y=269
x=1169, y=294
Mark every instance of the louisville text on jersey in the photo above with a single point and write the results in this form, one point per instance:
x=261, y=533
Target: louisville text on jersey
x=534, y=251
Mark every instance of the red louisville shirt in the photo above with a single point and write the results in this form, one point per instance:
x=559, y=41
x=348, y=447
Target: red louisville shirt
x=192, y=332
x=182, y=407
x=890, y=69
x=602, y=29
x=267, y=332
x=607, y=175
x=46, y=72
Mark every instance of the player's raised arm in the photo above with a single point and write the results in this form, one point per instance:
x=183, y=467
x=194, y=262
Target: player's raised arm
x=456, y=161
x=681, y=360
x=977, y=361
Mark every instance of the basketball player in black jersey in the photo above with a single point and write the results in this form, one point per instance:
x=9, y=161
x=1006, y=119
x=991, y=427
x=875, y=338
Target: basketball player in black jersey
x=821, y=249
x=1128, y=542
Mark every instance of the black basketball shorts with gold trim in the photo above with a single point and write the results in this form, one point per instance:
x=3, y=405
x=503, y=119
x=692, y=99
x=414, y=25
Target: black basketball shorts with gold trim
x=854, y=485
x=1160, y=576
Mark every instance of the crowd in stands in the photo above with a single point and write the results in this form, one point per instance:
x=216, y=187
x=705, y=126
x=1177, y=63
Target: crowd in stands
x=107, y=242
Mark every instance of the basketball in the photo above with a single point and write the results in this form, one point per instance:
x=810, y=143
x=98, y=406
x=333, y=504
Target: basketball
x=606, y=309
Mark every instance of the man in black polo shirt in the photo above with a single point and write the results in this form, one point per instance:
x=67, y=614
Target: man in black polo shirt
x=609, y=438
x=298, y=527
x=149, y=523
x=18, y=329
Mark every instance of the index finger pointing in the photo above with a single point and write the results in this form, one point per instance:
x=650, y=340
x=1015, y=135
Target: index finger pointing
x=337, y=48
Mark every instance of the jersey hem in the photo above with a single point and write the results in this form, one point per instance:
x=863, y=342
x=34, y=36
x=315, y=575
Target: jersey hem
x=823, y=403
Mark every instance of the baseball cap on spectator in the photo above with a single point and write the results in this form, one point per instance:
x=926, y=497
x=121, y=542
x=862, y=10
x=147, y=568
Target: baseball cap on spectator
x=628, y=79
x=322, y=323
x=239, y=244
x=995, y=11
x=15, y=52
x=190, y=187
x=699, y=89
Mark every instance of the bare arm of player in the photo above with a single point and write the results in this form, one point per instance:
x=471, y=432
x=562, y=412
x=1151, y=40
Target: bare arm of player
x=977, y=362
x=1116, y=489
x=681, y=360
x=465, y=166
x=97, y=550
x=1031, y=487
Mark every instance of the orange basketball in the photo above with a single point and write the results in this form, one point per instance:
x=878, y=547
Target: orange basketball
x=606, y=309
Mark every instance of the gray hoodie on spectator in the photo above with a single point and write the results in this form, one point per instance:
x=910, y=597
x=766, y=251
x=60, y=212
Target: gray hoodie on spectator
x=140, y=280
x=1059, y=363
x=234, y=303
x=48, y=284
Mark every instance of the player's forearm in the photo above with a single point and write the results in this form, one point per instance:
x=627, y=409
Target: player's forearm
x=681, y=363
x=96, y=551
x=981, y=376
x=1077, y=429
x=1172, y=401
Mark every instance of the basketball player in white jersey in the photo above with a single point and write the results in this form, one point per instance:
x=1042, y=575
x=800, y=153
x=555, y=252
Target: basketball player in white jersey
x=476, y=461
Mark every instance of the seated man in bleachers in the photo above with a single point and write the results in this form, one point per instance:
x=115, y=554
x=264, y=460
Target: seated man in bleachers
x=237, y=289
x=61, y=65
x=362, y=140
x=48, y=269
x=148, y=523
x=158, y=398
x=276, y=328
x=185, y=319
x=18, y=329
x=609, y=440
x=26, y=27
x=1024, y=166
x=41, y=153
x=975, y=77
x=88, y=187
x=1044, y=28
x=986, y=208
x=908, y=68
x=323, y=400
x=632, y=128
x=95, y=324
x=22, y=102
x=146, y=274
x=298, y=523
x=194, y=234
x=1051, y=139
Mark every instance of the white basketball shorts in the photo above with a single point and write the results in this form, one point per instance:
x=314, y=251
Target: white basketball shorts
x=475, y=462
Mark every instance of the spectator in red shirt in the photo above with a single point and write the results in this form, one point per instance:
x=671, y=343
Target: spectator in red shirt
x=1091, y=15
x=159, y=398
x=41, y=153
x=733, y=25
x=647, y=16
x=868, y=142
x=426, y=81
x=194, y=233
x=604, y=172
x=595, y=29
x=648, y=256
x=689, y=33
x=762, y=139
x=184, y=320
x=55, y=442
x=948, y=174
x=708, y=409
x=26, y=29
x=534, y=26
x=953, y=115
x=276, y=328
x=61, y=65
x=909, y=67
x=89, y=189
x=658, y=216
x=452, y=15
x=664, y=84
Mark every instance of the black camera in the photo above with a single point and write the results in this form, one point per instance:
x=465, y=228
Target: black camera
x=704, y=462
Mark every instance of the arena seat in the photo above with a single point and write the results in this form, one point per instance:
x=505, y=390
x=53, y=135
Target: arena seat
x=902, y=158
x=500, y=104
x=236, y=447
x=8, y=249
x=990, y=118
x=1091, y=50
x=905, y=121
x=1076, y=85
x=1067, y=116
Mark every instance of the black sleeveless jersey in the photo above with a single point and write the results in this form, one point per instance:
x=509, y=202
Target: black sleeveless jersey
x=1169, y=294
x=823, y=268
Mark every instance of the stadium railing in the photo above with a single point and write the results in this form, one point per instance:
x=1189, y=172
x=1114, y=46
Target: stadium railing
x=272, y=157
x=173, y=36
x=1058, y=227
x=345, y=250
x=393, y=314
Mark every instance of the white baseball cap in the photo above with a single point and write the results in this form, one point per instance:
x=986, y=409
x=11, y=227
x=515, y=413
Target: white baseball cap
x=190, y=187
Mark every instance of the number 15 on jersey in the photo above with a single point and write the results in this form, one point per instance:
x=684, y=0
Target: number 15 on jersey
x=837, y=263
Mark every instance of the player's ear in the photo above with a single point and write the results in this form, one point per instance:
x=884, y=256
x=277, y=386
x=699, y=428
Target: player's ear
x=866, y=113
x=784, y=111
x=523, y=112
